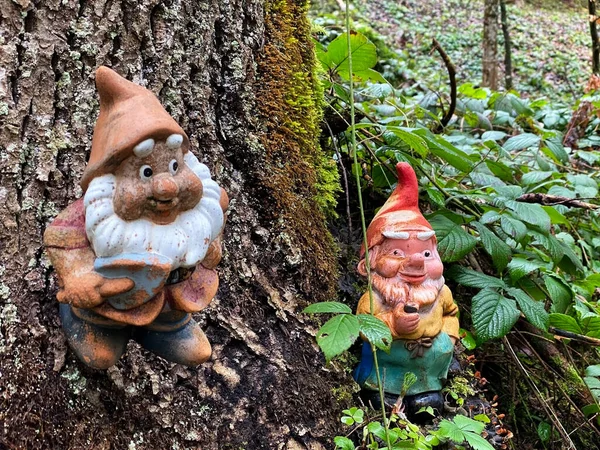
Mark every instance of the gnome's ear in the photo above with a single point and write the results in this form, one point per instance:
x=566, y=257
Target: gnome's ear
x=362, y=268
x=362, y=265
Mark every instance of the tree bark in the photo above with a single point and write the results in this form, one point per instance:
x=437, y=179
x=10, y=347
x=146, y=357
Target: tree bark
x=508, y=78
x=226, y=71
x=594, y=35
x=490, y=44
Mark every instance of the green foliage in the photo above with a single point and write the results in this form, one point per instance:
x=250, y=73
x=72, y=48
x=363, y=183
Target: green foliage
x=481, y=178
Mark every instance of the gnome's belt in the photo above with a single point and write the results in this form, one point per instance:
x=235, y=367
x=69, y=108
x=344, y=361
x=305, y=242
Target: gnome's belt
x=418, y=346
x=179, y=275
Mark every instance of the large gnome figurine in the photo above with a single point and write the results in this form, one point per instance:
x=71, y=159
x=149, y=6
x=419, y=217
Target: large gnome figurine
x=136, y=255
x=410, y=296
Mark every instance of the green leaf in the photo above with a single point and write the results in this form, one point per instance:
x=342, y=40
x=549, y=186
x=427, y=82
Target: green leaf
x=557, y=149
x=338, y=334
x=469, y=340
x=364, y=53
x=414, y=141
x=502, y=171
x=499, y=250
x=513, y=227
x=519, y=267
x=544, y=431
x=472, y=278
x=493, y=136
x=555, y=216
x=564, y=322
x=343, y=443
x=531, y=213
x=376, y=331
x=451, y=431
x=327, y=307
x=409, y=379
x=446, y=151
x=453, y=242
x=467, y=424
x=365, y=75
x=560, y=294
x=535, y=177
x=482, y=418
x=521, y=141
x=477, y=442
x=493, y=315
x=593, y=371
x=533, y=310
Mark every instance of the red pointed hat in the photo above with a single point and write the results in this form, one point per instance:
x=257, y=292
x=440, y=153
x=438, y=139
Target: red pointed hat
x=129, y=114
x=401, y=212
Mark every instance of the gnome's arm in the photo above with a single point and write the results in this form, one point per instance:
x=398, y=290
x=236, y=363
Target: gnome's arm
x=449, y=319
x=73, y=259
x=214, y=252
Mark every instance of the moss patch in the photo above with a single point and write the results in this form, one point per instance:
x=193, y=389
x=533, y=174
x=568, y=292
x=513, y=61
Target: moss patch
x=301, y=180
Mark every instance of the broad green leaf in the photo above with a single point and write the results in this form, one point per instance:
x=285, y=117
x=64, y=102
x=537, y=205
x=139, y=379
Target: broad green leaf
x=451, y=431
x=364, y=53
x=436, y=197
x=533, y=310
x=544, y=431
x=560, y=294
x=490, y=217
x=513, y=227
x=493, y=136
x=472, y=278
x=502, y=171
x=535, y=177
x=343, y=443
x=365, y=75
x=467, y=424
x=519, y=267
x=453, y=242
x=485, y=179
x=555, y=216
x=446, y=151
x=414, y=141
x=557, y=149
x=482, y=418
x=469, y=340
x=376, y=429
x=493, y=315
x=593, y=371
x=499, y=250
x=564, y=322
x=521, y=141
x=530, y=213
x=338, y=334
x=376, y=331
x=477, y=442
x=327, y=307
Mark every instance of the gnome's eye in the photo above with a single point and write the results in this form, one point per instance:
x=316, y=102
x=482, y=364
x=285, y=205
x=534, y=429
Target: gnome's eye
x=173, y=166
x=146, y=172
x=397, y=253
x=426, y=253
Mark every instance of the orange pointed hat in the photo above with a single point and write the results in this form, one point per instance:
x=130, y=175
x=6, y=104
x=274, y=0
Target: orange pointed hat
x=400, y=213
x=129, y=114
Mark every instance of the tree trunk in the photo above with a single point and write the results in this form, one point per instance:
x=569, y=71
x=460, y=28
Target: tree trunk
x=594, y=35
x=239, y=77
x=508, y=79
x=490, y=44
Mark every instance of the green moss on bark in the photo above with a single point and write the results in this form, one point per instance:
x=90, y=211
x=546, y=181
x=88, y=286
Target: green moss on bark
x=302, y=180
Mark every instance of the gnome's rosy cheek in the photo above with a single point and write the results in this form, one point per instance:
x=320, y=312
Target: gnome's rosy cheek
x=388, y=265
x=130, y=199
x=190, y=189
x=434, y=266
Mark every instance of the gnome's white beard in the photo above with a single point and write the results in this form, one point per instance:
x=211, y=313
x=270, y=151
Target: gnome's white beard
x=185, y=241
x=396, y=292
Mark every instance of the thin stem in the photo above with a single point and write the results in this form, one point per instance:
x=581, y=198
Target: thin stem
x=362, y=220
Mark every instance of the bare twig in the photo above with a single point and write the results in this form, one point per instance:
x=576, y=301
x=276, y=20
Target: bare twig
x=575, y=336
x=345, y=176
x=547, y=199
x=452, y=75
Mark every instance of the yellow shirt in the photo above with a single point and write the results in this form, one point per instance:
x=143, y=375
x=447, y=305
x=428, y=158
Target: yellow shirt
x=434, y=318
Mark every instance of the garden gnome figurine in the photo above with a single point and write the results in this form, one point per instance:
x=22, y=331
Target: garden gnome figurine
x=410, y=296
x=136, y=255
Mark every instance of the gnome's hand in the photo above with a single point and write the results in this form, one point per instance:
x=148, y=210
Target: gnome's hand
x=406, y=322
x=90, y=289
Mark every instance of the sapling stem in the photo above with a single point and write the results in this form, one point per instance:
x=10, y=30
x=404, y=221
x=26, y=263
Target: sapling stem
x=362, y=219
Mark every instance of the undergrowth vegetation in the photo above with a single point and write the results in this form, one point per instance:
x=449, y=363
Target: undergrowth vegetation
x=511, y=187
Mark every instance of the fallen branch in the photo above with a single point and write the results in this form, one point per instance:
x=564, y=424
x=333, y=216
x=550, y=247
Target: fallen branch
x=547, y=199
x=574, y=336
x=452, y=75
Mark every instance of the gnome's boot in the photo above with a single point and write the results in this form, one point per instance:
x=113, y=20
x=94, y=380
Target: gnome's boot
x=176, y=337
x=97, y=341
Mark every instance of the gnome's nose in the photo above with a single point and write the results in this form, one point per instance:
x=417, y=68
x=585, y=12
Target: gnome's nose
x=416, y=263
x=164, y=187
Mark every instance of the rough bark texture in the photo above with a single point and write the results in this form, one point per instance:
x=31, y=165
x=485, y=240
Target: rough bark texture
x=490, y=44
x=225, y=70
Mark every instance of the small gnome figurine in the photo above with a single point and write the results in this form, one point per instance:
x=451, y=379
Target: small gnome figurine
x=410, y=296
x=136, y=255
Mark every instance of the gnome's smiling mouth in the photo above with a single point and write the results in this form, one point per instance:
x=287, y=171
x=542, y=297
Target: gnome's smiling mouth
x=413, y=277
x=163, y=205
